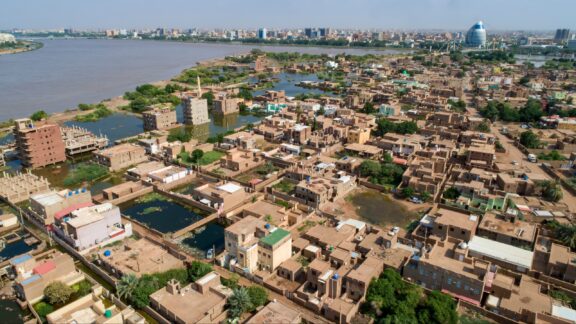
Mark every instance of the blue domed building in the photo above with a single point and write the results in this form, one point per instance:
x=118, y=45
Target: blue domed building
x=476, y=35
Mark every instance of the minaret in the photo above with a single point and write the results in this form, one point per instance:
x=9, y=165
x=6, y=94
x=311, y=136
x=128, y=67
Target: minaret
x=199, y=88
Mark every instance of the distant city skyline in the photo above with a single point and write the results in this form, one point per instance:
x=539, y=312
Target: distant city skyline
x=252, y=14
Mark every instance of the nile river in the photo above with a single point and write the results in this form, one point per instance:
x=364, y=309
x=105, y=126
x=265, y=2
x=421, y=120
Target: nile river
x=64, y=73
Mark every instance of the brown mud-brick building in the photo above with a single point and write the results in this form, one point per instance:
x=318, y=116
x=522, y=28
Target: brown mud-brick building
x=38, y=144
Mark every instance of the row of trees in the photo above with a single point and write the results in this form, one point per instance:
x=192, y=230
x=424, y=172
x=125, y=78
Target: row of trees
x=147, y=95
x=530, y=112
x=138, y=290
x=385, y=173
x=391, y=300
x=386, y=126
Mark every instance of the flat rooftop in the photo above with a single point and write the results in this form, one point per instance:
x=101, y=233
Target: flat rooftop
x=140, y=257
x=502, y=252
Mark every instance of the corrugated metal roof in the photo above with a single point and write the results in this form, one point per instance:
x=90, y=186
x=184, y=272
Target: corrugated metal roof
x=30, y=280
x=500, y=251
x=20, y=259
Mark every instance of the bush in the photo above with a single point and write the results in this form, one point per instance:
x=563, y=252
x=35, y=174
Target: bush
x=198, y=270
x=82, y=288
x=43, y=309
x=451, y=193
x=552, y=156
x=529, y=140
x=258, y=296
x=58, y=292
x=39, y=115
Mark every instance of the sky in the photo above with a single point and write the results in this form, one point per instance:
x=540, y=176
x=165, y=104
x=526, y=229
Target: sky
x=361, y=14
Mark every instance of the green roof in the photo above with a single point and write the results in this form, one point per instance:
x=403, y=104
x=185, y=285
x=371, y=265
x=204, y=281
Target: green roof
x=274, y=237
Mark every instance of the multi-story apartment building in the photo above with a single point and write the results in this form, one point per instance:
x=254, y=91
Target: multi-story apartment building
x=38, y=144
x=195, y=111
x=159, y=118
x=256, y=245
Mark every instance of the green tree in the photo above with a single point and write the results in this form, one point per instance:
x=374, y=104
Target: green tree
x=43, y=309
x=58, y=293
x=368, y=108
x=322, y=111
x=438, y=308
x=147, y=285
x=209, y=96
x=407, y=192
x=529, y=140
x=370, y=168
x=231, y=282
x=565, y=233
x=483, y=127
x=126, y=286
x=425, y=196
x=552, y=191
x=39, y=115
x=239, y=303
x=451, y=193
x=198, y=270
x=258, y=296
x=245, y=93
x=524, y=80
x=531, y=112
x=197, y=154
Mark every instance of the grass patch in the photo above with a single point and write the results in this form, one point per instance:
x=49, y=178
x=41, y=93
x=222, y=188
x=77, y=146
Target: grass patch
x=284, y=186
x=99, y=111
x=151, y=197
x=308, y=224
x=150, y=210
x=85, y=172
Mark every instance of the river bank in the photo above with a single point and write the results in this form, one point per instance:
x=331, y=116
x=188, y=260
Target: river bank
x=21, y=47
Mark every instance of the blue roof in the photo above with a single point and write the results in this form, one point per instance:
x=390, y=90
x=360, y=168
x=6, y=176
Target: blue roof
x=29, y=280
x=20, y=259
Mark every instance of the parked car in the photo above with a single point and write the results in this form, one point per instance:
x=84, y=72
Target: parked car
x=416, y=200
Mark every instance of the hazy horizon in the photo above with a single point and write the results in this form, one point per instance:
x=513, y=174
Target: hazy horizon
x=497, y=15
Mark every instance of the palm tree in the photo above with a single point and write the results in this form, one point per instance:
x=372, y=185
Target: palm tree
x=126, y=286
x=553, y=191
x=239, y=303
x=567, y=235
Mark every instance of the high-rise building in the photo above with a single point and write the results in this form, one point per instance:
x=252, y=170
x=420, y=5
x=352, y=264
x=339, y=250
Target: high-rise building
x=476, y=35
x=308, y=32
x=195, y=108
x=38, y=146
x=324, y=32
x=562, y=35
x=262, y=33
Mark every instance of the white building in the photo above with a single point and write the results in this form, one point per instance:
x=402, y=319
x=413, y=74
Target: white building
x=94, y=226
x=7, y=38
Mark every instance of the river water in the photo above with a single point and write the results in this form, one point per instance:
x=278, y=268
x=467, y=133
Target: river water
x=64, y=73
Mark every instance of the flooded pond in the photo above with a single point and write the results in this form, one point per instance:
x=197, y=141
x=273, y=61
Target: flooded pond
x=161, y=213
x=115, y=126
x=288, y=82
x=12, y=313
x=16, y=247
x=379, y=209
x=205, y=238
